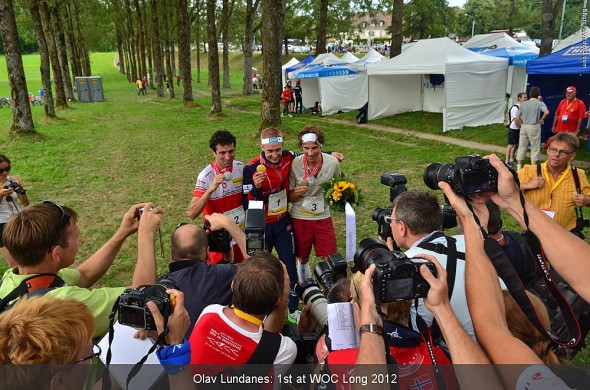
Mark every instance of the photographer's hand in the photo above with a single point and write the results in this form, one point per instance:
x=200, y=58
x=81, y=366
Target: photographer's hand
x=219, y=221
x=307, y=322
x=6, y=192
x=151, y=219
x=366, y=311
x=178, y=322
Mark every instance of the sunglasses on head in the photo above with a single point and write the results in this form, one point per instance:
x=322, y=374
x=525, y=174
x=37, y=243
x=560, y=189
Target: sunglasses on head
x=65, y=218
x=7, y=169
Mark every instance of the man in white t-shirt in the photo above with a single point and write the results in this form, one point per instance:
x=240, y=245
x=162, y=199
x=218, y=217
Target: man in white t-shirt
x=514, y=131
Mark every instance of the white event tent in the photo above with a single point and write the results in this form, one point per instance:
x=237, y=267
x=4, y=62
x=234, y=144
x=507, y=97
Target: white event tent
x=438, y=75
x=371, y=56
x=571, y=40
x=349, y=58
x=292, y=61
x=481, y=42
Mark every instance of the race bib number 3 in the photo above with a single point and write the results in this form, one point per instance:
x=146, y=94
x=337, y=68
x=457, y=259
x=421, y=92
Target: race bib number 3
x=238, y=215
x=312, y=205
x=277, y=203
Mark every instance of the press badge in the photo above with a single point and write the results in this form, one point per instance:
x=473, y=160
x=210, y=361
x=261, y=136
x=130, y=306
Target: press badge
x=550, y=213
x=564, y=118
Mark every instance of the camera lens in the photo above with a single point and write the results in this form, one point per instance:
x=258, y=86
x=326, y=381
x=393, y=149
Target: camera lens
x=323, y=273
x=308, y=291
x=379, y=213
x=370, y=251
x=436, y=172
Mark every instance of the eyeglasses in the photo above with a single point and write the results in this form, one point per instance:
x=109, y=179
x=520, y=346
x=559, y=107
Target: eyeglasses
x=560, y=153
x=388, y=219
x=7, y=169
x=96, y=351
x=65, y=218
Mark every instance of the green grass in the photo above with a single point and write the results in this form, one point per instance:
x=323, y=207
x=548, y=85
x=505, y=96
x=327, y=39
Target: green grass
x=100, y=158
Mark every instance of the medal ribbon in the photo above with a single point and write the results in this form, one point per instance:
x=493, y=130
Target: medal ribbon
x=315, y=170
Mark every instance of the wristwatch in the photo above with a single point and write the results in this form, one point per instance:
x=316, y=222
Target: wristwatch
x=371, y=328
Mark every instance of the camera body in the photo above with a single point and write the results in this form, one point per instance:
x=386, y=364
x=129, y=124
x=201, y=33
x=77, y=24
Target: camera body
x=9, y=184
x=449, y=216
x=467, y=176
x=397, y=184
x=133, y=310
x=329, y=272
x=254, y=230
x=219, y=240
x=396, y=277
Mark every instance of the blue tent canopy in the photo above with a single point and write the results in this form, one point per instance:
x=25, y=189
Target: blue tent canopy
x=300, y=65
x=516, y=56
x=567, y=61
x=555, y=72
x=325, y=71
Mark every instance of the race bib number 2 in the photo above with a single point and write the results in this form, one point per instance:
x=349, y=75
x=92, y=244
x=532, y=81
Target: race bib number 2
x=238, y=215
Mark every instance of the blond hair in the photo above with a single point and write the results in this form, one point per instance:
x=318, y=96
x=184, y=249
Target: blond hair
x=45, y=330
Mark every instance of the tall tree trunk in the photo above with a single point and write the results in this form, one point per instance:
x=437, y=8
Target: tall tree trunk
x=45, y=64
x=140, y=34
x=61, y=100
x=158, y=63
x=169, y=74
x=251, y=8
x=148, y=45
x=397, y=36
x=272, y=23
x=184, y=53
x=198, y=8
x=72, y=47
x=213, y=58
x=131, y=40
x=225, y=17
x=118, y=21
x=549, y=11
x=22, y=119
x=86, y=67
x=322, y=30
x=60, y=44
x=120, y=50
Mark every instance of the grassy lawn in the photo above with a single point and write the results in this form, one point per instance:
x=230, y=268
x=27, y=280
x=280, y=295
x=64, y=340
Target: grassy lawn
x=100, y=158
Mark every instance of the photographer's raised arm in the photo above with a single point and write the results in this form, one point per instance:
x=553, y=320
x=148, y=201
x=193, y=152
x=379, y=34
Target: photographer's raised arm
x=221, y=221
x=486, y=304
x=567, y=253
x=97, y=265
x=149, y=223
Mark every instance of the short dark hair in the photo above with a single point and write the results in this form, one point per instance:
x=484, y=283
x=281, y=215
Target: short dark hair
x=535, y=92
x=520, y=95
x=310, y=129
x=30, y=234
x=221, y=138
x=258, y=284
x=185, y=246
x=340, y=291
x=3, y=158
x=419, y=210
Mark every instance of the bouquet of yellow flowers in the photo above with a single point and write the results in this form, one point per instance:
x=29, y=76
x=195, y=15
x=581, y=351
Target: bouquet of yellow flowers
x=339, y=191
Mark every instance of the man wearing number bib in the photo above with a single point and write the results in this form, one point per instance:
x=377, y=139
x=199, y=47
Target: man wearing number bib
x=219, y=189
x=312, y=224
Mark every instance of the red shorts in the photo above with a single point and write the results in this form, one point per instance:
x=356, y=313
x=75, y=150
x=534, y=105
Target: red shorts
x=216, y=257
x=319, y=233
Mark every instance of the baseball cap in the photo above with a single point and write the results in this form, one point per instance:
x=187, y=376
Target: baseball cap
x=571, y=88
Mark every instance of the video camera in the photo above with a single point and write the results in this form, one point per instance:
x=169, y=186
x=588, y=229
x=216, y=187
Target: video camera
x=397, y=277
x=467, y=176
x=133, y=310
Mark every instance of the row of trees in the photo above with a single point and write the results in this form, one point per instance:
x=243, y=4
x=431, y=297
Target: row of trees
x=148, y=33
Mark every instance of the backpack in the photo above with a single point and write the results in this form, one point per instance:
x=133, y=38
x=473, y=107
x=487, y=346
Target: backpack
x=36, y=285
x=507, y=119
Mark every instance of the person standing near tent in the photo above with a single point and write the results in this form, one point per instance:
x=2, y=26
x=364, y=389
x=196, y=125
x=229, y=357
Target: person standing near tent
x=530, y=126
x=298, y=92
x=570, y=113
x=514, y=130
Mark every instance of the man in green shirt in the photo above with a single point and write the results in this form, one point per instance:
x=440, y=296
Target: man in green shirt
x=45, y=238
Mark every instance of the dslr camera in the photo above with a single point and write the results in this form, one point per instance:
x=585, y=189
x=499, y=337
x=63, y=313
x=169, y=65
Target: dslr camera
x=397, y=277
x=218, y=240
x=14, y=186
x=467, y=176
x=329, y=272
x=132, y=304
x=397, y=184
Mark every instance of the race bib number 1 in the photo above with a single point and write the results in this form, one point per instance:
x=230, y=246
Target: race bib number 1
x=277, y=203
x=312, y=205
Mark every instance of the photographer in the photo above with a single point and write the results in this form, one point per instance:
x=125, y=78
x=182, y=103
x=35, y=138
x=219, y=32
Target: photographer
x=11, y=188
x=45, y=238
x=417, y=218
x=518, y=365
x=203, y=284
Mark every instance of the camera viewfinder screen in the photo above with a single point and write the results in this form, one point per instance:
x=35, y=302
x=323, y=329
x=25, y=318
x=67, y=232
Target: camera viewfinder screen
x=255, y=244
x=400, y=288
x=132, y=315
x=475, y=182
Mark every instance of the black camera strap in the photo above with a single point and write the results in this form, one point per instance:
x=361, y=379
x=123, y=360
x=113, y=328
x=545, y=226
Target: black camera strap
x=579, y=212
x=452, y=256
x=508, y=274
x=106, y=377
x=423, y=329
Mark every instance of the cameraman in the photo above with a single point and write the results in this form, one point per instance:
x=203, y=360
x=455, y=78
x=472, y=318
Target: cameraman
x=11, y=188
x=417, y=218
x=203, y=284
